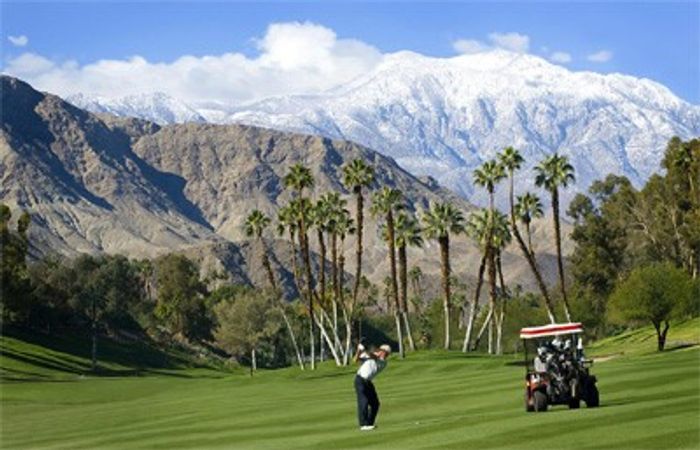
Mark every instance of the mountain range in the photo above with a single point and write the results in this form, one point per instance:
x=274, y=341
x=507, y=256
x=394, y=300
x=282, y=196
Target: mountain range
x=100, y=183
x=443, y=117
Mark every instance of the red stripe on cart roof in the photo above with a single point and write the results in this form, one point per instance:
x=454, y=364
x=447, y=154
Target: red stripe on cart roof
x=551, y=330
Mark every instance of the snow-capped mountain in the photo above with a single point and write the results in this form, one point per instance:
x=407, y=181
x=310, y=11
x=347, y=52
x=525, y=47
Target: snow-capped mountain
x=156, y=107
x=445, y=116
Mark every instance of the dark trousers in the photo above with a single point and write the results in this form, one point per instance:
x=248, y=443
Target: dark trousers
x=367, y=401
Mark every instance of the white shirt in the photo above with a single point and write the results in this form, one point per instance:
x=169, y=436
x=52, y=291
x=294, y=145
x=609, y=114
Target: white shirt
x=370, y=368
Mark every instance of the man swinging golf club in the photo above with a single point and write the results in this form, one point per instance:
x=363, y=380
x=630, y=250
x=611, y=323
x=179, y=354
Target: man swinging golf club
x=367, y=401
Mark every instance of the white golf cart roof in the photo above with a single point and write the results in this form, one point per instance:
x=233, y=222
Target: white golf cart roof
x=554, y=329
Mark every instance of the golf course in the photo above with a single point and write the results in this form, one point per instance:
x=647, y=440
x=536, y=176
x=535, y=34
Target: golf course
x=429, y=400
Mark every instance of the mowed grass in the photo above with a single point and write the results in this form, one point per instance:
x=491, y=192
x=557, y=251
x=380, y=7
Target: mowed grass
x=429, y=400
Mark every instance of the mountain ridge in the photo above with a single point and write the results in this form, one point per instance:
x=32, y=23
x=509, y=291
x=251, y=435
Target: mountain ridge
x=100, y=183
x=443, y=117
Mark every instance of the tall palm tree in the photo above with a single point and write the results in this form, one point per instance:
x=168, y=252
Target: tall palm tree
x=344, y=226
x=299, y=178
x=495, y=229
x=528, y=207
x=512, y=161
x=386, y=202
x=408, y=233
x=255, y=225
x=488, y=176
x=332, y=207
x=439, y=222
x=478, y=229
x=551, y=173
x=358, y=175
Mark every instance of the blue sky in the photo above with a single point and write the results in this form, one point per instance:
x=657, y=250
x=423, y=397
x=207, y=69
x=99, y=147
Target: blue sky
x=660, y=41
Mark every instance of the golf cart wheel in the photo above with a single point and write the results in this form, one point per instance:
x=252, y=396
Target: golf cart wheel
x=593, y=397
x=529, y=407
x=574, y=403
x=539, y=400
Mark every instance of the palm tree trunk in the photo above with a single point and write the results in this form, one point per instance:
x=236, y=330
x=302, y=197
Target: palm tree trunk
x=444, y=242
x=304, y=244
x=322, y=268
x=359, y=215
x=403, y=278
x=394, y=283
x=334, y=279
x=298, y=283
x=300, y=360
x=530, y=257
x=483, y=328
x=475, y=304
x=267, y=265
x=560, y=262
x=502, y=314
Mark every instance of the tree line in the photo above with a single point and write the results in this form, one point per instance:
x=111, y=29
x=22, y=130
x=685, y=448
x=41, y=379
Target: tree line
x=624, y=238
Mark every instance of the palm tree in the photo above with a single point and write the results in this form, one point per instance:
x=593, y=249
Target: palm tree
x=478, y=229
x=441, y=220
x=501, y=238
x=255, y=225
x=416, y=275
x=408, y=233
x=357, y=175
x=386, y=202
x=528, y=207
x=551, y=173
x=332, y=208
x=497, y=234
x=298, y=179
x=488, y=176
x=344, y=226
x=512, y=161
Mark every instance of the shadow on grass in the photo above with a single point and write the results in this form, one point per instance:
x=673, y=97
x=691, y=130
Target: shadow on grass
x=73, y=355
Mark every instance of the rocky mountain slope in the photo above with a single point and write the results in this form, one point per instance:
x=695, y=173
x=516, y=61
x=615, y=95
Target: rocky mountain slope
x=444, y=116
x=121, y=185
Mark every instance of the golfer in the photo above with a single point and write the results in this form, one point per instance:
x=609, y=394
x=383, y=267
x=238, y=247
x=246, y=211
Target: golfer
x=367, y=401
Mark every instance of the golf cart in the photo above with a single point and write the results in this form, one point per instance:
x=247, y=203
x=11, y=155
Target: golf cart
x=558, y=373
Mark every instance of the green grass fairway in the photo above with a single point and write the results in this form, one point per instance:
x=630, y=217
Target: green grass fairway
x=430, y=400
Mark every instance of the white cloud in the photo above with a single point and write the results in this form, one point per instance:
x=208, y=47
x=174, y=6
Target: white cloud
x=18, y=41
x=601, y=56
x=560, y=57
x=511, y=41
x=467, y=46
x=514, y=42
x=294, y=58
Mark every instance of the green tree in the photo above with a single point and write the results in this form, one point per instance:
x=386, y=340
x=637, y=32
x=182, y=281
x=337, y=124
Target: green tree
x=552, y=173
x=180, y=304
x=439, y=222
x=245, y=323
x=14, y=276
x=655, y=293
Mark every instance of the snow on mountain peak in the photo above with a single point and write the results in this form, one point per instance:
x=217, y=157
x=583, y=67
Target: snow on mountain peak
x=444, y=116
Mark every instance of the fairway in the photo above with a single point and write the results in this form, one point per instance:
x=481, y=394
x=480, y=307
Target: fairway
x=429, y=400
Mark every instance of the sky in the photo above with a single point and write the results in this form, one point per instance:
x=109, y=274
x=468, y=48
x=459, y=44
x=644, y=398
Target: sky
x=236, y=51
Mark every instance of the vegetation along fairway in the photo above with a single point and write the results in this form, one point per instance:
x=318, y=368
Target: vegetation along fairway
x=431, y=399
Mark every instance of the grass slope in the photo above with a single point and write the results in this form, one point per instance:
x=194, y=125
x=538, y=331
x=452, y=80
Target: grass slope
x=430, y=400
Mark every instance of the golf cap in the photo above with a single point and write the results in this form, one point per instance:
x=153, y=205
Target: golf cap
x=385, y=347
